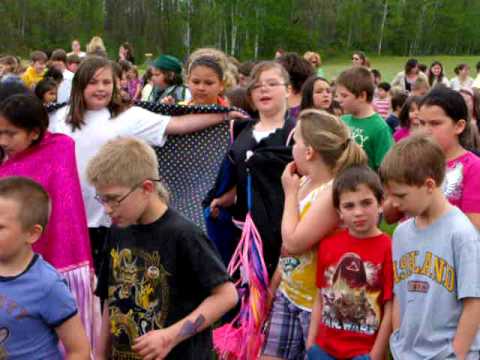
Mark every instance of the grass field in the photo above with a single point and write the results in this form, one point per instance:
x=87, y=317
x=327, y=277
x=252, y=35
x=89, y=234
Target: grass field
x=389, y=66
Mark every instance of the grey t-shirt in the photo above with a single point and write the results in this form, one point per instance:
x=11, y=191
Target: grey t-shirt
x=434, y=269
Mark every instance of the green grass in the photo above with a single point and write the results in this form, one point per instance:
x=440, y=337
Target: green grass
x=389, y=66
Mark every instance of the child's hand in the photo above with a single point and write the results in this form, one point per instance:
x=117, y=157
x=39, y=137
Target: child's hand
x=154, y=345
x=226, y=200
x=290, y=178
x=168, y=100
x=237, y=115
x=214, y=208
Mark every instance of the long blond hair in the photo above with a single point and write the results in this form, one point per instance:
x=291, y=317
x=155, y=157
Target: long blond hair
x=330, y=137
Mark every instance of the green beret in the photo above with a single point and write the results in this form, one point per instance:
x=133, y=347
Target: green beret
x=168, y=63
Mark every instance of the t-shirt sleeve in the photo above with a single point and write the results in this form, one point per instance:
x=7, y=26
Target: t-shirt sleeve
x=147, y=125
x=204, y=263
x=467, y=263
x=470, y=202
x=388, y=272
x=59, y=304
x=383, y=143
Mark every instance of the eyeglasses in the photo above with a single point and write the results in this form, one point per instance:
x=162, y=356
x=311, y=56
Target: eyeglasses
x=268, y=85
x=113, y=202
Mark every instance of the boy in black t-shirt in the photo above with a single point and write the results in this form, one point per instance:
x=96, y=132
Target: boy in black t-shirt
x=164, y=283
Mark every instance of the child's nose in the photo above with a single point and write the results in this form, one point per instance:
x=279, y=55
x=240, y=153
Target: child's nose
x=357, y=210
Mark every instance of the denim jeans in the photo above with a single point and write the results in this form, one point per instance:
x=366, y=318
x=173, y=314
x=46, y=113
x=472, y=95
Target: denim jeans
x=316, y=353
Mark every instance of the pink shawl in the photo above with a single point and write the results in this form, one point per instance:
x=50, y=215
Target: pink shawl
x=65, y=243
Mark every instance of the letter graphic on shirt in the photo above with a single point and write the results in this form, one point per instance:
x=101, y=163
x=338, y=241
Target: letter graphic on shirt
x=439, y=266
x=449, y=282
x=427, y=264
x=139, y=296
x=359, y=137
x=350, y=299
x=433, y=267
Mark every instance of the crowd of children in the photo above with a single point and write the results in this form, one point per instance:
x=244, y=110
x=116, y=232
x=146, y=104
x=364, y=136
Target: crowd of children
x=97, y=264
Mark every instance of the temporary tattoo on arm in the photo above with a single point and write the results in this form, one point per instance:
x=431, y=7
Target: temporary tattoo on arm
x=190, y=328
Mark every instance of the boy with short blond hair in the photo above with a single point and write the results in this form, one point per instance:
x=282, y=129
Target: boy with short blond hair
x=164, y=283
x=436, y=259
x=355, y=90
x=37, y=308
x=36, y=70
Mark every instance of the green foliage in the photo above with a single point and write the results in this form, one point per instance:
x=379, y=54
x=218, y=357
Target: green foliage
x=246, y=28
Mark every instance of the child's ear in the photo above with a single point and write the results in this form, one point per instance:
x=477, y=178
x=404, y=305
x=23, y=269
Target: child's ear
x=148, y=186
x=431, y=184
x=34, y=234
x=363, y=96
x=309, y=153
x=460, y=126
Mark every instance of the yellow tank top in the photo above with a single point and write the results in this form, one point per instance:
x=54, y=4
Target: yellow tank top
x=299, y=272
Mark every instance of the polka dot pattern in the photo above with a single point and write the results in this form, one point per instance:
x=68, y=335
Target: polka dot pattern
x=177, y=110
x=189, y=165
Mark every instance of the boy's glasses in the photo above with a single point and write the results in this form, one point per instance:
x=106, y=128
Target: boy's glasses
x=112, y=202
x=267, y=85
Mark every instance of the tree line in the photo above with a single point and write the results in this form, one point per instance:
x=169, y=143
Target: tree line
x=246, y=29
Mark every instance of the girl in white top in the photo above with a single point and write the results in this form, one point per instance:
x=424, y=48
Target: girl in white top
x=462, y=80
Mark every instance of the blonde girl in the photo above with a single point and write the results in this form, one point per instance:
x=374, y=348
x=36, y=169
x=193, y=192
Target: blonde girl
x=323, y=147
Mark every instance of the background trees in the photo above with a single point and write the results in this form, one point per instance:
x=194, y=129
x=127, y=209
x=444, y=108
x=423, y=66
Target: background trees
x=245, y=28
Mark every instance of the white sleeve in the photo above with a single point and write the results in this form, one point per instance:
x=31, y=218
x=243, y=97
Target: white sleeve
x=56, y=121
x=145, y=125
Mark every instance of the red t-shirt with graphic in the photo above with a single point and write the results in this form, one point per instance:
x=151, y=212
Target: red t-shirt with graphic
x=355, y=278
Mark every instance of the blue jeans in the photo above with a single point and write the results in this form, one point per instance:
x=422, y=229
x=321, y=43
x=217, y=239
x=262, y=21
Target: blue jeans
x=316, y=353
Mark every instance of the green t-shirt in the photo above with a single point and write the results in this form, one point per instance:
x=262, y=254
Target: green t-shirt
x=372, y=134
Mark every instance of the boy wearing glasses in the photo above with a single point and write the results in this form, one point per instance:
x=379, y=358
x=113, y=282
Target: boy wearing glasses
x=164, y=283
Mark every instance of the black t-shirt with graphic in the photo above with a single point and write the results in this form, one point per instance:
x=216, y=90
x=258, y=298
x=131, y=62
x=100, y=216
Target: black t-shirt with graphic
x=156, y=275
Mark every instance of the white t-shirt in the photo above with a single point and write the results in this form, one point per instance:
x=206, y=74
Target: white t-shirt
x=99, y=128
x=65, y=87
x=260, y=135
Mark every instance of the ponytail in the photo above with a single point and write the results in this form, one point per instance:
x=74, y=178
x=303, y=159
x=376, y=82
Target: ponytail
x=353, y=155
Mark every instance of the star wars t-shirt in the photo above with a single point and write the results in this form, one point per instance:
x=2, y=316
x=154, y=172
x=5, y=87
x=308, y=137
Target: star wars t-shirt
x=157, y=274
x=355, y=279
